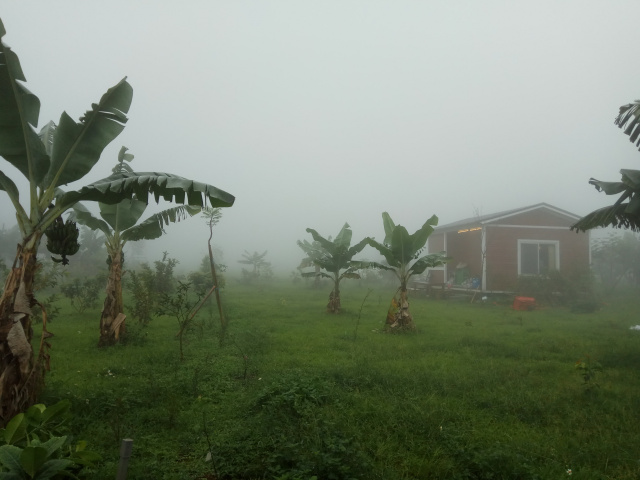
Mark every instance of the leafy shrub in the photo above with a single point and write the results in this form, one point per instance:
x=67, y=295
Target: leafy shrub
x=83, y=294
x=35, y=449
x=554, y=288
x=48, y=275
x=164, y=281
x=141, y=285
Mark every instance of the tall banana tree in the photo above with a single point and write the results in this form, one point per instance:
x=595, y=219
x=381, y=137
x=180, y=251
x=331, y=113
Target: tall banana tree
x=625, y=212
x=402, y=252
x=58, y=155
x=335, y=257
x=119, y=224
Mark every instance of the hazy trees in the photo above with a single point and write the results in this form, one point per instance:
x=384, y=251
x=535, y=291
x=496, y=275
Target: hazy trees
x=616, y=259
x=402, y=253
x=625, y=212
x=261, y=268
x=58, y=155
x=335, y=257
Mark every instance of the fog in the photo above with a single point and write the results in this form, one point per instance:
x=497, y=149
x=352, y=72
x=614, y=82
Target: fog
x=314, y=114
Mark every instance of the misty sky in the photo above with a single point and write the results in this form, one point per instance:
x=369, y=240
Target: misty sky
x=314, y=114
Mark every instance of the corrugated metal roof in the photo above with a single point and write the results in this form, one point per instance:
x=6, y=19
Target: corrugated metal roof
x=484, y=219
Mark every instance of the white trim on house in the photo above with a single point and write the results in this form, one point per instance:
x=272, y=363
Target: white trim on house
x=529, y=226
x=446, y=265
x=483, y=259
x=538, y=242
x=530, y=209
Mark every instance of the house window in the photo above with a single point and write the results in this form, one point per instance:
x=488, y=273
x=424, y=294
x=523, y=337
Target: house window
x=537, y=257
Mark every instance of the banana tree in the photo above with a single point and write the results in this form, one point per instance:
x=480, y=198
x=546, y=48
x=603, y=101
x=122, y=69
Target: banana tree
x=119, y=224
x=625, y=212
x=58, y=155
x=307, y=261
x=336, y=258
x=402, y=252
x=260, y=265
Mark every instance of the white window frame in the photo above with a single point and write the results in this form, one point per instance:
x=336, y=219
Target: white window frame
x=537, y=242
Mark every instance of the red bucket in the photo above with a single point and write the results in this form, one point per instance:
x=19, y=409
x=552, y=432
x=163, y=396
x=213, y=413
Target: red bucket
x=524, y=303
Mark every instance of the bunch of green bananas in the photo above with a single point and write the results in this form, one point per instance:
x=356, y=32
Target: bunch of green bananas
x=62, y=239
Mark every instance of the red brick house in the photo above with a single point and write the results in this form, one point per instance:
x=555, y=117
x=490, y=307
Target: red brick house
x=492, y=251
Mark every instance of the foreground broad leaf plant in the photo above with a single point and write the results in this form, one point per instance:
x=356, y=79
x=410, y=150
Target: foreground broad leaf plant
x=58, y=155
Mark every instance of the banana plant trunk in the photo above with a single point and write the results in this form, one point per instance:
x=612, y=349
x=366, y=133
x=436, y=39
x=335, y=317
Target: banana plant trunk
x=399, y=318
x=112, y=319
x=334, y=298
x=21, y=374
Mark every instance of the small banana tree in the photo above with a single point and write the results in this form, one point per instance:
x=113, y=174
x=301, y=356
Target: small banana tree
x=402, y=252
x=336, y=258
x=259, y=264
x=58, y=155
x=625, y=212
x=119, y=224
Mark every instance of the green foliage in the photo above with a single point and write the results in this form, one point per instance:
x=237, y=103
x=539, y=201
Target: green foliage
x=48, y=275
x=616, y=260
x=335, y=257
x=141, y=285
x=402, y=250
x=625, y=212
x=180, y=306
x=164, y=281
x=147, y=287
x=84, y=293
x=555, y=288
x=202, y=277
x=588, y=369
x=34, y=447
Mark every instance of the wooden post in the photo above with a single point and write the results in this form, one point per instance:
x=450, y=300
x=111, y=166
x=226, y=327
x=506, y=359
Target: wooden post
x=125, y=454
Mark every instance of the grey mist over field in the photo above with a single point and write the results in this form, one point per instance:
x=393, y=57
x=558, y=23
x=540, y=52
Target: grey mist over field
x=314, y=114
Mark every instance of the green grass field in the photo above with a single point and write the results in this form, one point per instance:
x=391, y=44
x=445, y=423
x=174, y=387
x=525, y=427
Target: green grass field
x=480, y=392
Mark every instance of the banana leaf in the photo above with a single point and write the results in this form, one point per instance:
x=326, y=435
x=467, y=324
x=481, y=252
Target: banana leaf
x=172, y=188
x=20, y=145
x=629, y=119
x=152, y=227
x=77, y=146
x=123, y=215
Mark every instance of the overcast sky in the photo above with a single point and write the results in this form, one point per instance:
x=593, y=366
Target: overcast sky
x=314, y=114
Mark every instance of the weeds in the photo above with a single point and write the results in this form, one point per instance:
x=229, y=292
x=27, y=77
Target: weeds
x=587, y=369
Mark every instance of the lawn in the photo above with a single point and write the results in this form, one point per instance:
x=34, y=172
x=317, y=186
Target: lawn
x=480, y=391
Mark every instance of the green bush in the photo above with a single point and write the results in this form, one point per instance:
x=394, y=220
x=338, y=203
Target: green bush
x=84, y=293
x=35, y=449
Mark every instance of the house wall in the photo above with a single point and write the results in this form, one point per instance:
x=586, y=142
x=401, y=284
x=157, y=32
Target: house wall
x=435, y=245
x=465, y=248
x=502, y=252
